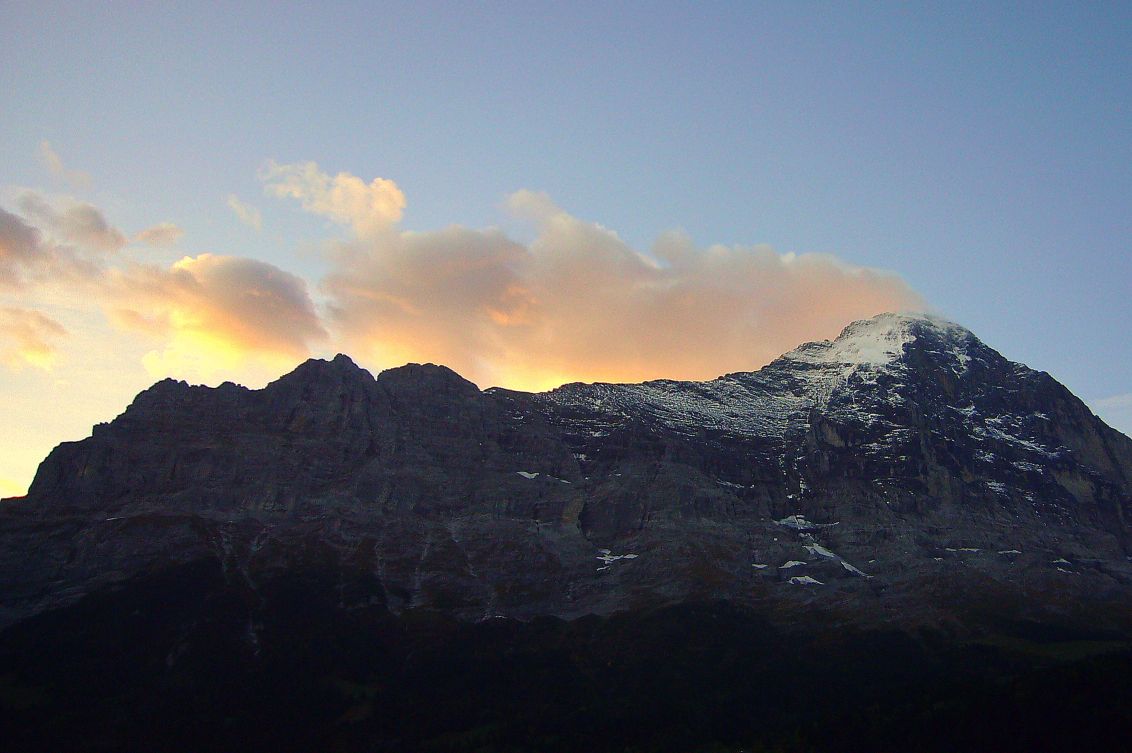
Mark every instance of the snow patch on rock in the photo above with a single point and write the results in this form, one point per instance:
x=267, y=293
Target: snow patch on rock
x=804, y=580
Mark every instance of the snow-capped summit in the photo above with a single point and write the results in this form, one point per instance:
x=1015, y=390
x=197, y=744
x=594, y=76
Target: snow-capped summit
x=882, y=339
x=874, y=367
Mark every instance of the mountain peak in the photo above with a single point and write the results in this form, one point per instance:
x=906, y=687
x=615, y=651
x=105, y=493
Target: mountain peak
x=882, y=339
x=427, y=376
x=913, y=323
x=341, y=368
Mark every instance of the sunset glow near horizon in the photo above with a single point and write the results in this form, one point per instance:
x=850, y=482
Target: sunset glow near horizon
x=536, y=197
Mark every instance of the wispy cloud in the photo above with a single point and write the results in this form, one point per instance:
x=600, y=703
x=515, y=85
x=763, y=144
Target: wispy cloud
x=164, y=234
x=54, y=164
x=27, y=338
x=26, y=257
x=20, y=249
x=1116, y=411
x=247, y=214
x=71, y=221
x=344, y=198
x=1116, y=401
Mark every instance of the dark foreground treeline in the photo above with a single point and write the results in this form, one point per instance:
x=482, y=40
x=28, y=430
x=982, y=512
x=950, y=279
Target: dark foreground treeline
x=172, y=663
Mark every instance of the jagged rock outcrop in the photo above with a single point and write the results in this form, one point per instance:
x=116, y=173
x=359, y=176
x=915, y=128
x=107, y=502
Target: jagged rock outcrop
x=910, y=473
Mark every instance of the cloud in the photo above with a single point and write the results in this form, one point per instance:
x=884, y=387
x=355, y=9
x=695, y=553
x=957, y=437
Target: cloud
x=20, y=249
x=55, y=166
x=1116, y=401
x=1116, y=412
x=575, y=303
x=208, y=314
x=346, y=199
x=76, y=222
x=428, y=296
x=578, y=303
x=164, y=234
x=248, y=214
x=26, y=338
x=26, y=256
x=215, y=312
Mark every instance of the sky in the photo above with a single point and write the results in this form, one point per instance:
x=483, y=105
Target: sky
x=536, y=193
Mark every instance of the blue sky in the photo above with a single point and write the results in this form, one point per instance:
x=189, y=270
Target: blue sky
x=980, y=152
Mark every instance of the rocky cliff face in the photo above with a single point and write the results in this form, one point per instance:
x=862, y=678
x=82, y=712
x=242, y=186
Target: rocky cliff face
x=903, y=471
x=865, y=545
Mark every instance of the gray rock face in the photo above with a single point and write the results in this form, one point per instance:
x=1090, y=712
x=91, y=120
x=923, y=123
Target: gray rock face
x=904, y=473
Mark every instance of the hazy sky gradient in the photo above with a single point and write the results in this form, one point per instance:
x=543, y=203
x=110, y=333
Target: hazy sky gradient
x=982, y=155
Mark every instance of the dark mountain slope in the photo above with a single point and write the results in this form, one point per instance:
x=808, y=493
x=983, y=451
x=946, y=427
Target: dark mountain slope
x=901, y=512
x=904, y=459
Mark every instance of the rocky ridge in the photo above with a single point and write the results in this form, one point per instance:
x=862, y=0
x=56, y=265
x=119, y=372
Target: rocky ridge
x=904, y=473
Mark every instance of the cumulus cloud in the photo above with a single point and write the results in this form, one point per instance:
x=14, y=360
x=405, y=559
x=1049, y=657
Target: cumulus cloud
x=246, y=213
x=578, y=303
x=343, y=198
x=208, y=314
x=27, y=338
x=214, y=312
x=443, y=296
x=74, y=222
x=26, y=256
x=54, y=164
x=163, y=234
x=575, y=303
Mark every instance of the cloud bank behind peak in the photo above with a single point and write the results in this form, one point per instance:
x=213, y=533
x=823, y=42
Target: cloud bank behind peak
x=578, y=303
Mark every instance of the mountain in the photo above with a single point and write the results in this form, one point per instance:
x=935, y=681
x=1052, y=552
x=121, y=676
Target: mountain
x=900, y=500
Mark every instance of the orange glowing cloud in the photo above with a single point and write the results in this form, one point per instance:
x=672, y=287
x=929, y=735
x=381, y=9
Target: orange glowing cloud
x=578, y=303
x=575, y=303
x=26, y=338
x=214, y=312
